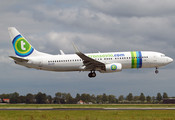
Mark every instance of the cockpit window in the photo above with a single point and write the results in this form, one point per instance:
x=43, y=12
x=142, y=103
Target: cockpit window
x=162, y=55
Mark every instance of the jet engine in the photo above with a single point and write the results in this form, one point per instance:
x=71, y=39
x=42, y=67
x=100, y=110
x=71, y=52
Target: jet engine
x=112, y=67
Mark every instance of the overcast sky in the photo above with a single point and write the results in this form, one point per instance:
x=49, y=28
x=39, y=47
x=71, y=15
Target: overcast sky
x=93, y=25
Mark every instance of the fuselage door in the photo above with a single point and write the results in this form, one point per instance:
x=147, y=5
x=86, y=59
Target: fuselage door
x=40, y=63
x=155, y=58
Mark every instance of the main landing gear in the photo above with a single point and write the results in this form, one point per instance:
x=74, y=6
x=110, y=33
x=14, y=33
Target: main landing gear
x=156, y=71
x=92, y=74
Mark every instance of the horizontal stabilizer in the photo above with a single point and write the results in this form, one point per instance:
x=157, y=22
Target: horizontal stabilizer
x=19, y=59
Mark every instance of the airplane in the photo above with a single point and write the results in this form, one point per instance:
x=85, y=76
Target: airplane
x=110, y=62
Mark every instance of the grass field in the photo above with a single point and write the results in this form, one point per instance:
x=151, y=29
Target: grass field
x=87, y=106
x=89, y=115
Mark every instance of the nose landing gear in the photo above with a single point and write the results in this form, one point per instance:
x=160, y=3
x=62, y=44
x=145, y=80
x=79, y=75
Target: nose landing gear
x=156, y=71
x=92, y=74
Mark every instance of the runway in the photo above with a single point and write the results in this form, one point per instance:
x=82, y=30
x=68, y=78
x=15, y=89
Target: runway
x=64, y=109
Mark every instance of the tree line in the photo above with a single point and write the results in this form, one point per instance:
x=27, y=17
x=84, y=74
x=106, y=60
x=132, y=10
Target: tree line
x=66, y=98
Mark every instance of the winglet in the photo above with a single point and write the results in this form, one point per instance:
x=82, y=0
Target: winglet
x=75, y=48
x=62, y=53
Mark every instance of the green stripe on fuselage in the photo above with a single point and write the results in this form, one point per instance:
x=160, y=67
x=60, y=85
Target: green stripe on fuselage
x=132, y=60
x=135, y=60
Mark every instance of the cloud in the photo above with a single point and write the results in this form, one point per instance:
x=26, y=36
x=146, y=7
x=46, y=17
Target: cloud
x=130, y=8
x=76, y=18
x=100, y=25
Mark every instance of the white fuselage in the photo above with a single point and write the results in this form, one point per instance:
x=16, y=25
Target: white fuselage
x=27, y=55
x=72, y=62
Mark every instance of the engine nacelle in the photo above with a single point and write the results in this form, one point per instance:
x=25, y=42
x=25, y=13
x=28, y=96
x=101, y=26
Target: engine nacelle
x=112, y=67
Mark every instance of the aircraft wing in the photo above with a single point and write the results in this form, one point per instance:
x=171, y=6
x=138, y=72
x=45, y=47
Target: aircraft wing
x=87, y=61
x=19, y=59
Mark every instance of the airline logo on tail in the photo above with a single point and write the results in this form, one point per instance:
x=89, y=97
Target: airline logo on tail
x=21, y=46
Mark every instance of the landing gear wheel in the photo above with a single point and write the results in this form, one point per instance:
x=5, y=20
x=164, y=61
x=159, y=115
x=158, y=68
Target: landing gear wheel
x=156, y=71
x=92, y=74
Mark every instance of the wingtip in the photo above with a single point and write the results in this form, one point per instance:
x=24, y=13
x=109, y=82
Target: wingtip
x=75, y=48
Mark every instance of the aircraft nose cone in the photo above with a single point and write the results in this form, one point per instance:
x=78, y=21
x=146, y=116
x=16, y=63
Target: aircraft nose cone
x=170, y=60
